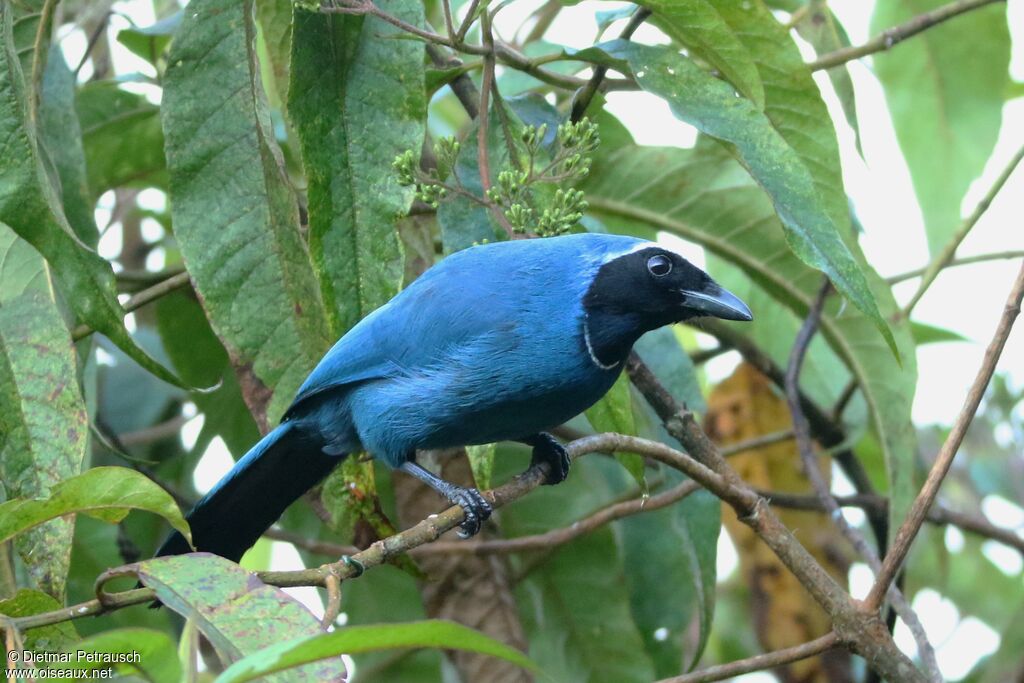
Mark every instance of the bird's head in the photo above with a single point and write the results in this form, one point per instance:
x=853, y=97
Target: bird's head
x=646, y=288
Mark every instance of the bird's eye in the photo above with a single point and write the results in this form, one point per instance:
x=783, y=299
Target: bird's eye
x=659, y=265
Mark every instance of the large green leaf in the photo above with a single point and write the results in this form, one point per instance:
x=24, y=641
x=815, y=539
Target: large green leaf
x=274, y=18
x=702, y=195
x=434, y=633
x=575, y=604
x=121, y=134
x=107, y=493
x=809, y=218
x=155, y=652
x=61, y=139
x=671, y=556
x=52, y=638
x=700, y=27
x=30, y=206
x=236, y=612
x=43, y=421
x=372, y=84
x=235, y=216
x=945, y=93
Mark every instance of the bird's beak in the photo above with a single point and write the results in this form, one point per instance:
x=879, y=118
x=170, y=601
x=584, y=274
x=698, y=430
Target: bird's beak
x=716, y=301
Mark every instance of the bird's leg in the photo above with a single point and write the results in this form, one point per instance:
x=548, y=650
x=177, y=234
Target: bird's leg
x=475, y=507
x=547, y=449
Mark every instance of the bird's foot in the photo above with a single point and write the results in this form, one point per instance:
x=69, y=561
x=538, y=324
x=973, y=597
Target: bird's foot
x=475, y=507
x=547, y=449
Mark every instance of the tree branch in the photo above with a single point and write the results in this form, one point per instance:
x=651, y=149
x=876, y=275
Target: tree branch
x=944, y=258
x=890, y=37
x=919, y=510
x=812, y=470
x=584, y=97
x=957, y=262
x=862, y=631
x=171, y=284
x=769, y=660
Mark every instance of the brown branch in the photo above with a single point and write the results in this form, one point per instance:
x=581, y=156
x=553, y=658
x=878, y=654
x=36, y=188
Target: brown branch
x=483, y=121
x=586, y=95
x=466, y=23
x=890, y=37
x=861, y=631
x=949, y=251
x=919, y=510
x=769, y=660
x=171, y=284
x=957, y=262
x=878, y=506
x=812, y=470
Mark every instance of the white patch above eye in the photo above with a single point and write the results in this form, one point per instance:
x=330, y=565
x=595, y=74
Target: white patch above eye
x=641, y=246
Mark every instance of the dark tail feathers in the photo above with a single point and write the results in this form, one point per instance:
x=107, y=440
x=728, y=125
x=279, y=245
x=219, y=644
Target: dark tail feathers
x=231, y=517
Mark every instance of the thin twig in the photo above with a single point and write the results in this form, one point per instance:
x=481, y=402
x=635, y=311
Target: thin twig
x=449, y=26
x=93, y=39
x=171, y=284
x=545, y=16
x=769, y=660
x=957, y=262
x=466, y=23
x=890, y=37
x=949, y=251
x=483, y=151
x=586, y=95
x=812, y=470
x=333, y=585
x=919, y=510
x=878, y=506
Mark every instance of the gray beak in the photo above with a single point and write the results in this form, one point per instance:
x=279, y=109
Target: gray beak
x=718, y=302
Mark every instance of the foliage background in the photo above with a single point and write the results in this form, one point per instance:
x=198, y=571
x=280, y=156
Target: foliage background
x=157, y=155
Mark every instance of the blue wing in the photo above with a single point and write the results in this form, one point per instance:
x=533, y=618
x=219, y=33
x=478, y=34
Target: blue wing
x=469, y=294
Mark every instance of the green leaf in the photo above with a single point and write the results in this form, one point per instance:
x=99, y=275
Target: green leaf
x=61, y=138
x=434, y=633
x=820, y=27
x=699, y=26
x=274, y=18
x=42, y=415
x=52, y=638
x=671, y=557
x=930, y=334
x=151, y=653
x=711, y=105
x=29, y=205
x=150, y=42
x=614, y=413
x=945, y=95
x=702, y=195
x=235, y=216
x=574, y=601
x=481, y=462
x=200, y=358
x=374, y=88
x=664, y=354
x=124, y=146
x=107, y=493
x=236, y=612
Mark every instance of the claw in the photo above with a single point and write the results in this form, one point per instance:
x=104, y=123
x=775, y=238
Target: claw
x=476, y=508
x=547, y=449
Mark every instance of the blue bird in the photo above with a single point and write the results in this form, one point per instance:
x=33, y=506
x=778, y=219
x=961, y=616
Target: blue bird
x=497, y=342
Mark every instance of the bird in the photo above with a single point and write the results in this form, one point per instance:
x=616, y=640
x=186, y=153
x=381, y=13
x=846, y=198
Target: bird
x=501, y=341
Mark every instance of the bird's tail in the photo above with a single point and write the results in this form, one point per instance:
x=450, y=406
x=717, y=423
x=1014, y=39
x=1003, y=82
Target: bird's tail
x=230, y=518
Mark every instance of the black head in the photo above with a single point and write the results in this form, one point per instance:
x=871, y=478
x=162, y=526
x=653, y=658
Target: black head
x=646, y=289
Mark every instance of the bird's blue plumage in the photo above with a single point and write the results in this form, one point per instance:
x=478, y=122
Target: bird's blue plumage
x=497, y=342
x=487, y=345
